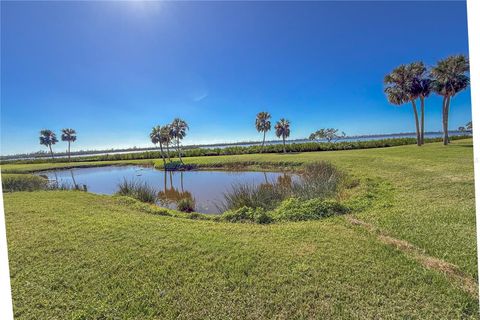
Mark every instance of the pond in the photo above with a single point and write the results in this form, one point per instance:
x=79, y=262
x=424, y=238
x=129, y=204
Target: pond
x=207, y=188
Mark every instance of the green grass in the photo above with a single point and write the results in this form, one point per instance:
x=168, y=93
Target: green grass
x=77, y=255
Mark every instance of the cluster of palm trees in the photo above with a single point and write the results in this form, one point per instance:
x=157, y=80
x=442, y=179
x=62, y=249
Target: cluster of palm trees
x=408, y=83
x=171, y=133
x=263, y=124
x=49, y=138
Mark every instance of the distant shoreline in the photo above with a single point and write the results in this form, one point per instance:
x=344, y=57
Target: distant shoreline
x=41, y=155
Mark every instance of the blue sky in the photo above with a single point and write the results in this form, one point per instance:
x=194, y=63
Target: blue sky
x=112, y=70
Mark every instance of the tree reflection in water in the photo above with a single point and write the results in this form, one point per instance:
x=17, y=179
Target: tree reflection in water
x=171, y=195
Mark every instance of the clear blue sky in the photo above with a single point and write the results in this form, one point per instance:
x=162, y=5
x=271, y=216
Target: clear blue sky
x=112, y=70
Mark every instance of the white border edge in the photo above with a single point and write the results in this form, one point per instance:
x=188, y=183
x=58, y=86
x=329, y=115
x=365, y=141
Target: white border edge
x=473, y=10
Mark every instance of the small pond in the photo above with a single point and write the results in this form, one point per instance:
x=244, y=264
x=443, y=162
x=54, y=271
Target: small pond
x=207, y=188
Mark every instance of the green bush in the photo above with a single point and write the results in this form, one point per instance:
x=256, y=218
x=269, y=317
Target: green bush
x=23, y=182
x=178, y=166
x=186, y=205
x=295, y=209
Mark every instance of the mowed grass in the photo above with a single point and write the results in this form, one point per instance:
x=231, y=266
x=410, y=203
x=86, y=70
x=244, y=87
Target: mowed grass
x=432, y=188
x=76, y=255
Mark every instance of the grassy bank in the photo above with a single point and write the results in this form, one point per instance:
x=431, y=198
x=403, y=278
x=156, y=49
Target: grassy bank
x=91, y=256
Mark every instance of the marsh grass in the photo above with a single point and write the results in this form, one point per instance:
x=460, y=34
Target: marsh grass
x=319, y=180
x=137, y=190
x=23, y=182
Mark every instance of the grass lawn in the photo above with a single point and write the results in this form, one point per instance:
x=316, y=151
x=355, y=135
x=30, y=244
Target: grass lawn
x=82, y=256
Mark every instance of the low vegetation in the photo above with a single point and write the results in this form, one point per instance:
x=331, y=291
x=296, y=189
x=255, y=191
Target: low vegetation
x=186, y=205
x=23, y=182
x=28, y=182
x=137, y=190
x=317, y=180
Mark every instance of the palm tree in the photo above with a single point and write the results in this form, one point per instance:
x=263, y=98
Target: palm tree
x=449, y=78
x=263, y=124
x=48, y=138
x=421, y=87
x=155, y=137
x=69, y=135
x=178, y=131
x=165, y=138
x=282, y=129
x=400, y=88
x=469, y=126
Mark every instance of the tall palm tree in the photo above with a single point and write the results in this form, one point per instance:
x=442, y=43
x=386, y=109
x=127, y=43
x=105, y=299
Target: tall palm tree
x=178, y=131
x=449, y=78
x=421, y=87
x=263, y=124
x=165, y=138
x=48, y=138
x=400, y=89
x=282, y=129
x=155, y=137
x=69, y=135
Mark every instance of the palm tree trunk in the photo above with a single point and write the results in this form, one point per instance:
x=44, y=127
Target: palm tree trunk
x=68, y=150
x=73, y=178
x=181, y=180
x=168, y=153
x=284, y=150
x=422, y=120
x=165, y=181
x=414, y=105
x=263, y=143
x=178, y=150
x=163, y=156
x=446, y=107
x=51, y=152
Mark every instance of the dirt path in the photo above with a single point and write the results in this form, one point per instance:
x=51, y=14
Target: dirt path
x=451, y=271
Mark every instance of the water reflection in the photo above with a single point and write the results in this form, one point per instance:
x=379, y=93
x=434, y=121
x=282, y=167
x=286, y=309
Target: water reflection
x=205, y=188
x=170, y=195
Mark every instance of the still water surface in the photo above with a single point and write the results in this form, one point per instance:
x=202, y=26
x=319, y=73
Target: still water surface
x=207, y=188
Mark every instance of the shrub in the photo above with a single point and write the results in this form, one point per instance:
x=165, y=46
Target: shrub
x=136, y=190
x=178, y=166
x=295, y=209
x=23, y=182
x=186, y=205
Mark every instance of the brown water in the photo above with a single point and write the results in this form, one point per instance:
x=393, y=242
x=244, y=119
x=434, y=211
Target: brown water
x=207, y=188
